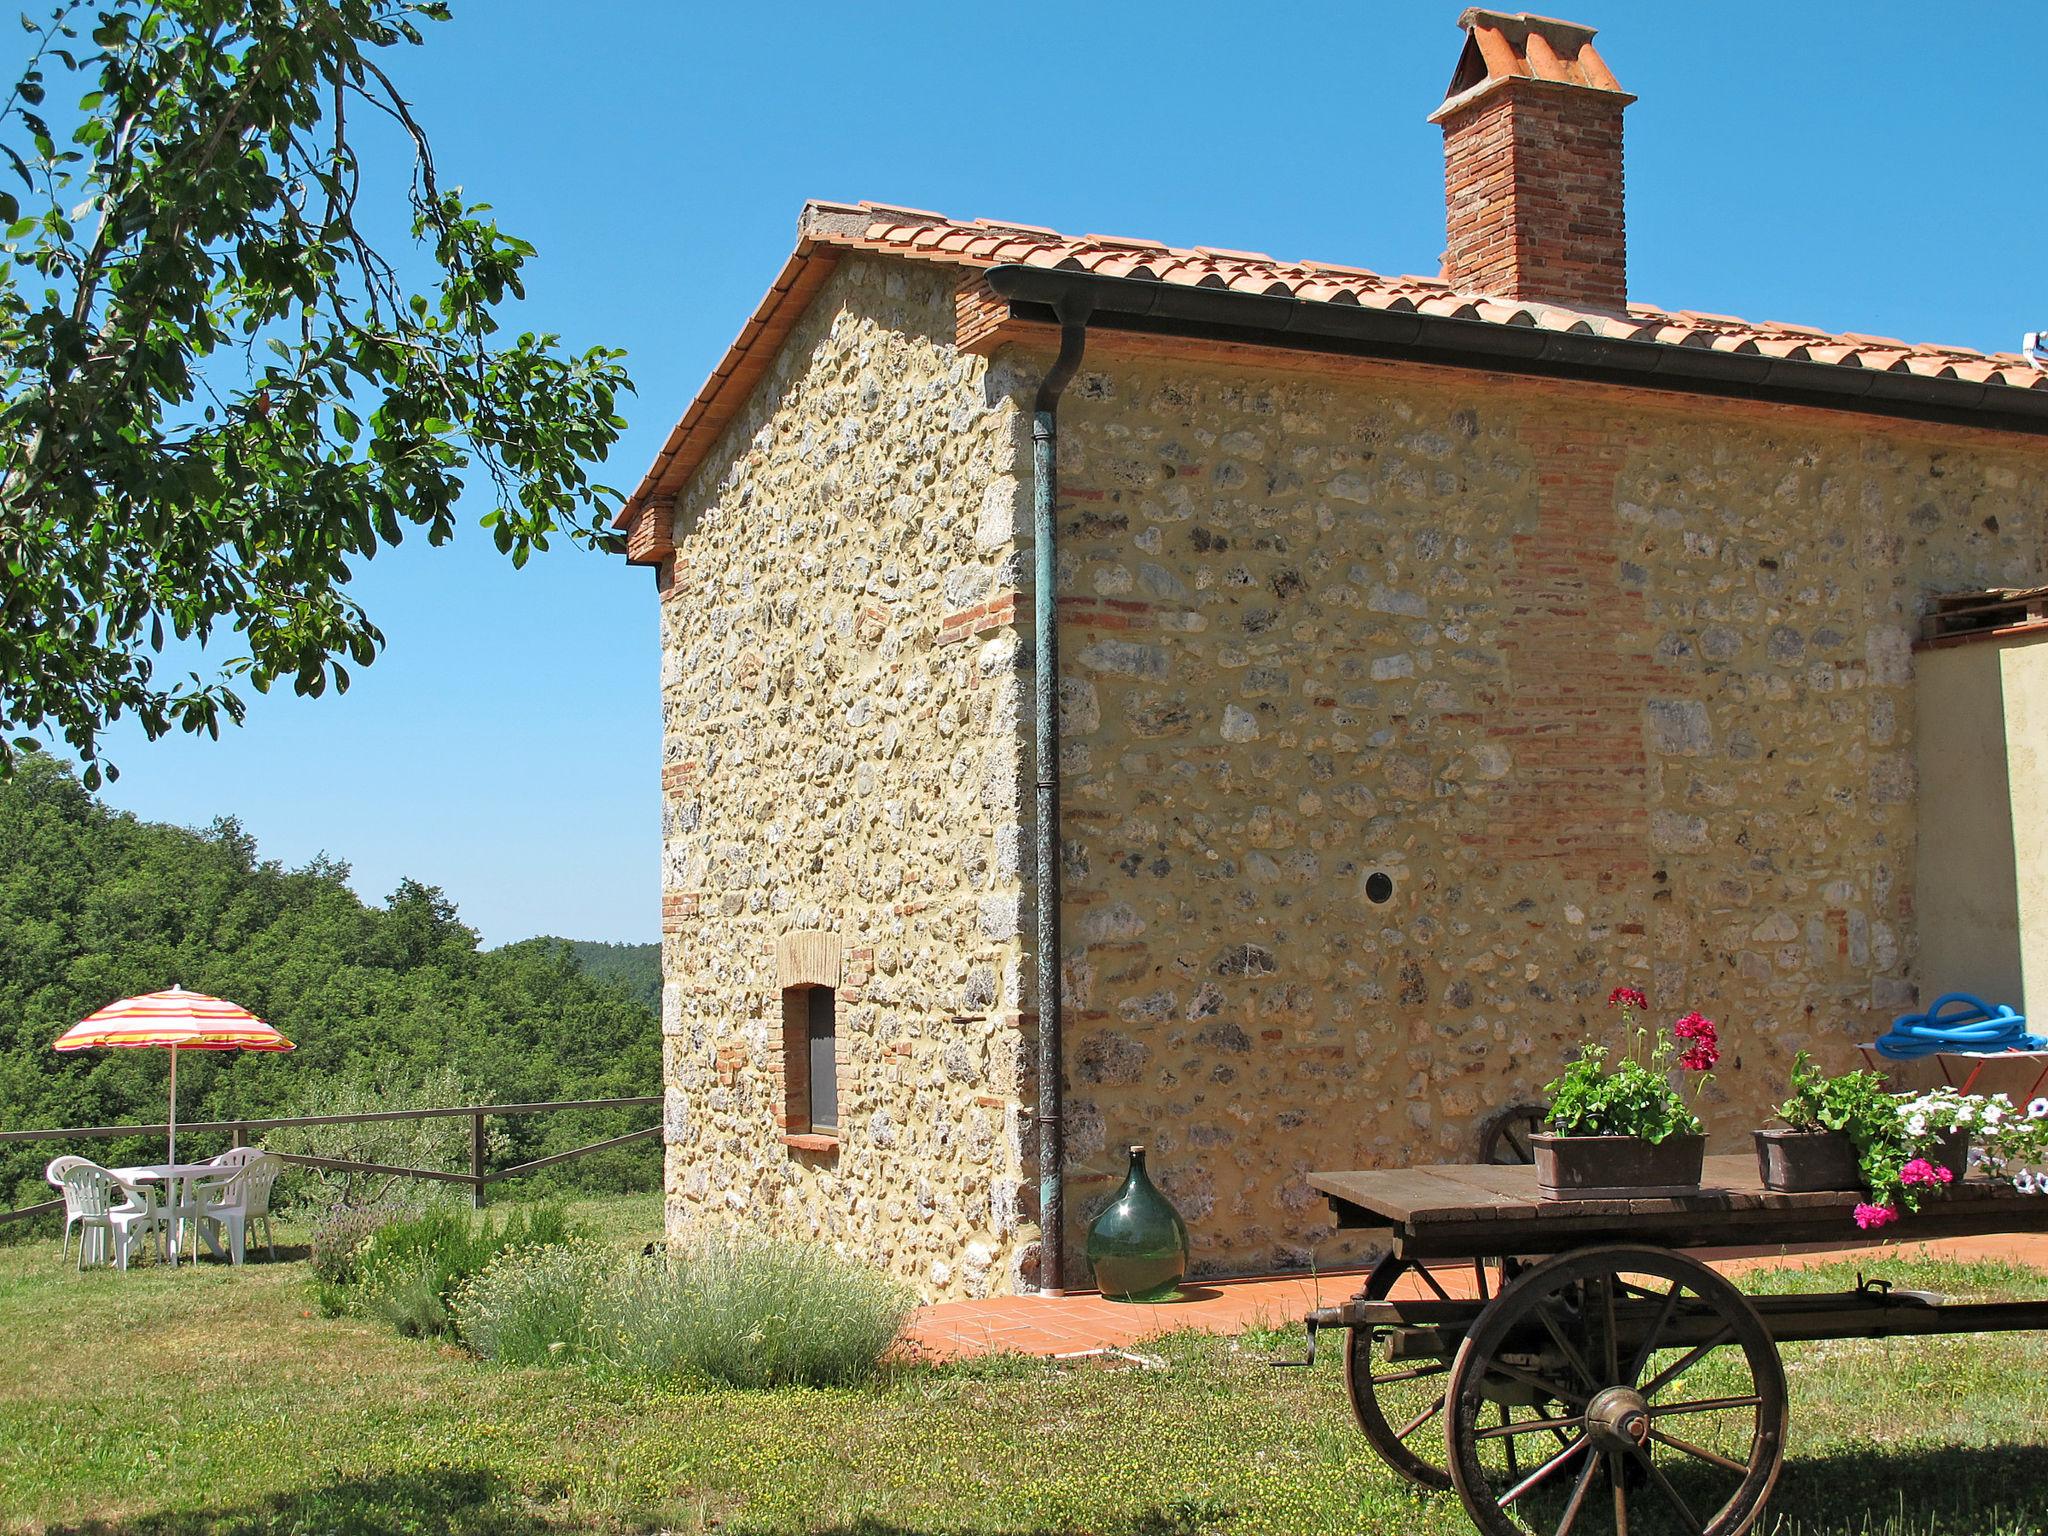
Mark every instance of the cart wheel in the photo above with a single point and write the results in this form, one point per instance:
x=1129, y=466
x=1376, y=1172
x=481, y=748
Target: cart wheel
x=1630, y=1426
x=1399, y=1403
x=1504, y=1134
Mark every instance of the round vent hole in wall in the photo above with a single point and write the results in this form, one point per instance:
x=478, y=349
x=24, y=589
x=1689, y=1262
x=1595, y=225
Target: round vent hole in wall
x=1379, y=887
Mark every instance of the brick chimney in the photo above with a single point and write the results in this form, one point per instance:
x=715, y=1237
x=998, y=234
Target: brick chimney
x=1532, y=164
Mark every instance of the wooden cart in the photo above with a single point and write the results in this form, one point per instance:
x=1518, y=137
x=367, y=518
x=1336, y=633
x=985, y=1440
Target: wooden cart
x=1569, y=1368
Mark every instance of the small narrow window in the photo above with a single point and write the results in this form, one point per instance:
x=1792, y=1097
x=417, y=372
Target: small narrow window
x=824, y=1058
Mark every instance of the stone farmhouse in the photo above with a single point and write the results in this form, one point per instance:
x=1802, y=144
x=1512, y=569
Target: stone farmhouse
x=1431, y=655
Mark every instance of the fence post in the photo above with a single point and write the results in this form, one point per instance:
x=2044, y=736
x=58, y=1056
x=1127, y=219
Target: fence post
x=237, y=1141
x=476, y=1162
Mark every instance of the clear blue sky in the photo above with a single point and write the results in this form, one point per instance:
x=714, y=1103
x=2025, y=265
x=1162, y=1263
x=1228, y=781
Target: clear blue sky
x=1873, y=168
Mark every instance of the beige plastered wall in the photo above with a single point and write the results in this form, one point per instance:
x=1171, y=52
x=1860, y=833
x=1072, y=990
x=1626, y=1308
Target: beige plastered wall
x=1983, y=865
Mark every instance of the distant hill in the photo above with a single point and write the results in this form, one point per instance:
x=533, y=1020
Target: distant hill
x=97, y=904
x=635, y=967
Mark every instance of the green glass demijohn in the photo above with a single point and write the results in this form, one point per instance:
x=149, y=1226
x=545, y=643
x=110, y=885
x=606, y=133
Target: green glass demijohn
x=1138, y=1245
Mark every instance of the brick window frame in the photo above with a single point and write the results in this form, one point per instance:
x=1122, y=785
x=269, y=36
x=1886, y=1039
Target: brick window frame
x=806, y=961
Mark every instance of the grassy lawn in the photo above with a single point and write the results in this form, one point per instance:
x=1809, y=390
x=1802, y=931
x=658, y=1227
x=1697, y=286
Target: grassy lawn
x=219, y=1401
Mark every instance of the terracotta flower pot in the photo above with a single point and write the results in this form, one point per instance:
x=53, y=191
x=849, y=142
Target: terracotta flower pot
x=1617, y=1167
x=1804, y=1162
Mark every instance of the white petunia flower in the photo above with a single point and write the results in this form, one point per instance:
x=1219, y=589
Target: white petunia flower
x=2038, y=1110
x=2023, y=1181
x=1916, y=1125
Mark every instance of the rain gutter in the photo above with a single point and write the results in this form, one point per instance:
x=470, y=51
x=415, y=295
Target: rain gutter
x=1070, y=313
x=1147, y=307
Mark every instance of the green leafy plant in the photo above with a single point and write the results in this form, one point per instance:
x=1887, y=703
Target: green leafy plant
x=1855, y=1103
x=218, y=395
x=1635, y=1095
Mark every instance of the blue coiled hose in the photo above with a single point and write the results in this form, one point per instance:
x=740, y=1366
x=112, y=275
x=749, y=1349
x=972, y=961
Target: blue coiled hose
x=1958, y=1022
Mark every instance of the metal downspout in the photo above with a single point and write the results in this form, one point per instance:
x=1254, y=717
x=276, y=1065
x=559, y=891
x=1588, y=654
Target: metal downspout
x=1045, y=747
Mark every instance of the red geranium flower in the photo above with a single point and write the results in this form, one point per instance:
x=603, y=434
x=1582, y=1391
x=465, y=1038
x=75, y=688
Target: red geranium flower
x=1628, y=997
x=1705, y=1049
x=1696, y=1026
x=1700, y=1058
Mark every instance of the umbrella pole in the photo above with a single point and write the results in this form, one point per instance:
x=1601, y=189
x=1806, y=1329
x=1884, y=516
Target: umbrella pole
x=171, y=1182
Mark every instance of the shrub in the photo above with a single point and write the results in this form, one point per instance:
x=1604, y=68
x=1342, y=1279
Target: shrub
x=338, y=1239
x=536, y=1306
x=408, y=1268
x=440, y=1143
x=741, y=1312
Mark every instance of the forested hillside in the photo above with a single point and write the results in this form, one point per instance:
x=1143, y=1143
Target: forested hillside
x=636, y=967
x=96, y=904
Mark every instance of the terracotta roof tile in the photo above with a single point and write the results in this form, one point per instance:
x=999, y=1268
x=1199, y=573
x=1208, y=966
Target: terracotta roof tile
x=830, y=230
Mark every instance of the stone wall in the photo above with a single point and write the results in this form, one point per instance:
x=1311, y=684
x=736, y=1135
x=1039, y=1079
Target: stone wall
x=1612, y=688
x=842, y=772
x=1592, y=687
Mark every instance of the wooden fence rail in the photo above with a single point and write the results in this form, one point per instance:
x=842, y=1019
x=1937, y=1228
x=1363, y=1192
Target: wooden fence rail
x=59, y=1133
x=476, y=1179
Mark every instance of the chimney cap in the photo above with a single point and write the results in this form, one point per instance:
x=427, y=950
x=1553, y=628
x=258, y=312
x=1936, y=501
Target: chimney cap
x=1501, y=46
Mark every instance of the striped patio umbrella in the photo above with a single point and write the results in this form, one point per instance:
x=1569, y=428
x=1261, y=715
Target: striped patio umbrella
x=176, y=1020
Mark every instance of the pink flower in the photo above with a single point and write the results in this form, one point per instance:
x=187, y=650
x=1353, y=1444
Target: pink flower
x=1869, y=1216
x=1921, y=1171
x=1628, y=997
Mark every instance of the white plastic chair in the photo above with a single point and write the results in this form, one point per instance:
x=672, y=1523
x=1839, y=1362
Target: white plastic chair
x=240, y=1198
x=54, y=1174
x=90, y=1190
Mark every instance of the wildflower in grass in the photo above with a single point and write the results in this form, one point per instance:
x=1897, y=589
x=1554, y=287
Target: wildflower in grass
x=1869, y=1216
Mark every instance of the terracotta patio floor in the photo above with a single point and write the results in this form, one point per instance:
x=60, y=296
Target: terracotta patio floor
x=1083, y=1322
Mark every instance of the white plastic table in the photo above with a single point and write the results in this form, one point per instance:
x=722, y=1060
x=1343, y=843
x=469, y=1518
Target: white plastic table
x=177, y=1179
